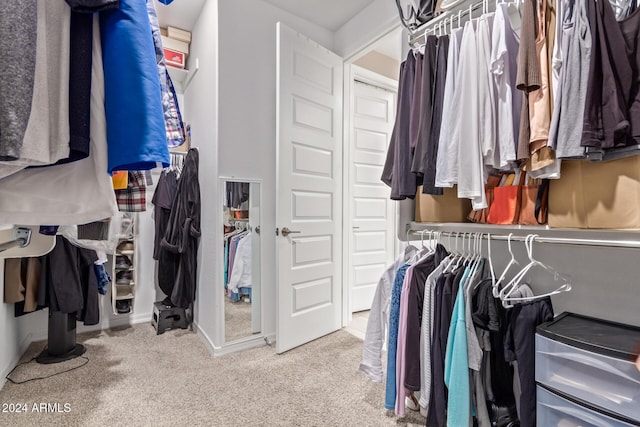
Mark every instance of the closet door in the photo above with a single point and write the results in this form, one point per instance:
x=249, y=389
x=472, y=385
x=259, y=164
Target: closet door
x=309, y=183
x=372, y=213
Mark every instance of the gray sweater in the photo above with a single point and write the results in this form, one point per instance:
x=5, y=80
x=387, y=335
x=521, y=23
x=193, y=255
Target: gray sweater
x=18, y=21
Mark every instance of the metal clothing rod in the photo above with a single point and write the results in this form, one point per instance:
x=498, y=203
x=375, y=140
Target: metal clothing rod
x=22, y=238
x=417, y=37
x=633, y=244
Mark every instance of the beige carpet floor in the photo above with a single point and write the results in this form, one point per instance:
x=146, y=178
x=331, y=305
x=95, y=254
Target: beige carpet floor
x=135, y=378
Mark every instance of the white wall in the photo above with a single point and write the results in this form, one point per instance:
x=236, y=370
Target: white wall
x=10, y=349
x=379, y=18
x=247, y=116
x=201, y=108
x=604, y=280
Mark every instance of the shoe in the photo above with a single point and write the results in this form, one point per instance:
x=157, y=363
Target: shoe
x=410, y=402
x=124, y=277
x=125, y=248
x=123, y=262
x=123, y=306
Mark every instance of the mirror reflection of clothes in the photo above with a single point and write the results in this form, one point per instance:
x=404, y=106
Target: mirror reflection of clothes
x=236, y=194
x=240, y=276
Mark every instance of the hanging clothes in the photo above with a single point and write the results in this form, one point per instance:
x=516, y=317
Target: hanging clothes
x=403, y=182
x=74, y=193
x=179, y=249
x=241, y=277
x=172, y=118
x=46, y=137
x=134, y=197
x=92, y=6
x=520, y=346
x=422, y=103
x=504, y=50
x=68, y=282
x=574, y=89
x=18, y=30
x=162, y=201
x=447, y=157
x=430, y=158
x=378, y=322
x=135, y=118
x=236, y=194
x=394, y=323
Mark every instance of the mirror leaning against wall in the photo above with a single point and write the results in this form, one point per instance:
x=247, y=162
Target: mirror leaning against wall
x=242, y=272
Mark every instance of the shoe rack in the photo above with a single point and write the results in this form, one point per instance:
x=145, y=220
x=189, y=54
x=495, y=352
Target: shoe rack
x=123, y=279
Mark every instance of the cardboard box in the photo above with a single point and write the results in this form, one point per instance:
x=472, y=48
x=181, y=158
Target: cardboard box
x=602, y=195
x=174, y=58
x=177, y=45
x=163, y=32
x=445, y=208
x=178, y=34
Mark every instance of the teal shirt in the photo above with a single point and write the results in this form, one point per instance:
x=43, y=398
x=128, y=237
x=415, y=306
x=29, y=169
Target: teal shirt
x=456, y=367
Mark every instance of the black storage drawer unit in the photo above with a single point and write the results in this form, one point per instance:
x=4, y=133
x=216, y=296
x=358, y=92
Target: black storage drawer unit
x=590, y=361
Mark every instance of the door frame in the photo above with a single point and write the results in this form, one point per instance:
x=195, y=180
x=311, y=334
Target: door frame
x=352, y=74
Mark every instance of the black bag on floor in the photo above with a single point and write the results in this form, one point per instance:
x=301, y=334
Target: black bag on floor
x=414, y=13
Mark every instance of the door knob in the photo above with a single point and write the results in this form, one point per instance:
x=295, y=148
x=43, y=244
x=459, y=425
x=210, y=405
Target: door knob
x=257, y=229
x=285, y=231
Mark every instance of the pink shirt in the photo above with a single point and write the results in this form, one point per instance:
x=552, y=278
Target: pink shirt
x=402, y=335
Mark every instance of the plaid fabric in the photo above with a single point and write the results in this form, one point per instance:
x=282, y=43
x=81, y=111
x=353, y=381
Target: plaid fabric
x=134, y=197
x=172, y=117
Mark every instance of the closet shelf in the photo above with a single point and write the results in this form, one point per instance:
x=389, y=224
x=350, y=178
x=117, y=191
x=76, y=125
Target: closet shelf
x=181, y=78
x=566, y=236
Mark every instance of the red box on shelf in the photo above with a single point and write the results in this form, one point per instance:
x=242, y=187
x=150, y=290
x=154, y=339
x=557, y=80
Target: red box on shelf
x=174, y=58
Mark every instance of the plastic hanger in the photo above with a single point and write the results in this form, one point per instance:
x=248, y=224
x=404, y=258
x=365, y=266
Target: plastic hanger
x=512, y=262
x=491, y=270
x=564, y=287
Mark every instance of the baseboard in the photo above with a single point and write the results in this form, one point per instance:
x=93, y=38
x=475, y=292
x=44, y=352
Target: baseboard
x=246, y=344
x=24, y=345
x=206, y=340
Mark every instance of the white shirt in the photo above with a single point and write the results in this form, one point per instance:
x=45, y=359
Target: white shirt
x=378, y=322
x=241, y=272
x=504, y=51
x=487, y=102
x=447, y=157
x=73, y=193
x=465, y=118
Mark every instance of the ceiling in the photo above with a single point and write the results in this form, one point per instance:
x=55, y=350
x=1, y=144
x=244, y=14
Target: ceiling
x=330, y=14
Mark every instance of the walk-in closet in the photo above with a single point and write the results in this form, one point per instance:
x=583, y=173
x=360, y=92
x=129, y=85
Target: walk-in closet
x=337, y=212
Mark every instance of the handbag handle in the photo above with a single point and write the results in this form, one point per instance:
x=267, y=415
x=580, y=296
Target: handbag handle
x=542, y=202
x=518, y=208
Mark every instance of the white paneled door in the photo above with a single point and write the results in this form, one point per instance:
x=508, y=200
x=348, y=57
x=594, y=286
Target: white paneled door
x=371, y=212
x=309, y=190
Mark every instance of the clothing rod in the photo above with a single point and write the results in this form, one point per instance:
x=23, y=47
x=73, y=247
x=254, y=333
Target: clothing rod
x=418, y=34
x=11, y=244
x=22, y=238
x=631, y=244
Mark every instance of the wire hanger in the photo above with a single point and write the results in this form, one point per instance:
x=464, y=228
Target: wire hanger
x=512, y=262
x=516, y=281
x=491, y=270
